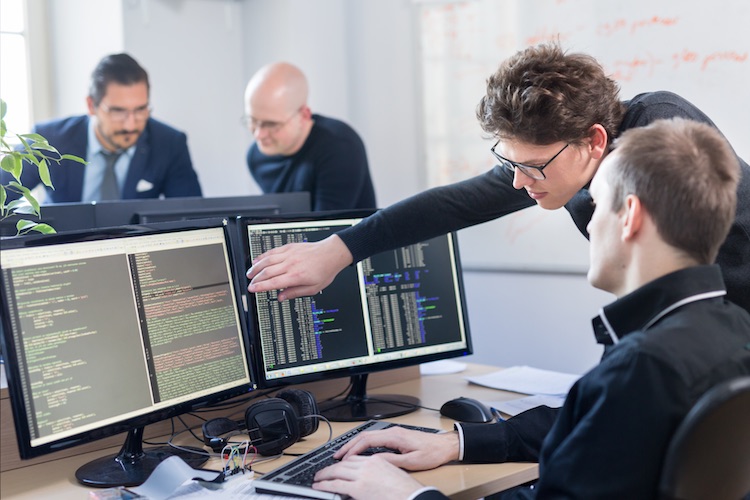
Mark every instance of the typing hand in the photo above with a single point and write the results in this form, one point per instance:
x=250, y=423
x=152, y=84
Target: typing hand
x=299, y=269
x=417, y=450
x=364, y=478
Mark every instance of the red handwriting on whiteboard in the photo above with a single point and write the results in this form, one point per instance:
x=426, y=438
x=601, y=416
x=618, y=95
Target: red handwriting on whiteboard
x=646, y=65
x=619, y=25
x=626, y=69
x=727, y=56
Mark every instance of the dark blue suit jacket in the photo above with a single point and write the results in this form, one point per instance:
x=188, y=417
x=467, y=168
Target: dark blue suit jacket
x=161, y=158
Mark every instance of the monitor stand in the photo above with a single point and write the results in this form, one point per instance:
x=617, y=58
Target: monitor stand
x=357, y=405
x=132, y=465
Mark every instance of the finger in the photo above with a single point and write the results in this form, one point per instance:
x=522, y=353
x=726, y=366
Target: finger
x=342, y=470
x=273, y=251
x=268, y=258
x=366, y=440
x=270, y=276
x=260, y=265
x=266, y=284
x=335, y=486
x=297, y=291
x=353, y=447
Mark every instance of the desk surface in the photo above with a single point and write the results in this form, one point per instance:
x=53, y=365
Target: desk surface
x=460, y=481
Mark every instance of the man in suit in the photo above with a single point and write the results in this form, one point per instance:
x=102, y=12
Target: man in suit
x=296, y=150
x=130, y=155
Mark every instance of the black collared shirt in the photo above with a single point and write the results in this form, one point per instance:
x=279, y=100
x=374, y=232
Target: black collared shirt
x=668, y=342
x=676, y=338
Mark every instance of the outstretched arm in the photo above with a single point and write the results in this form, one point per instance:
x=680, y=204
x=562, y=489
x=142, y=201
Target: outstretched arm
x=307, y=268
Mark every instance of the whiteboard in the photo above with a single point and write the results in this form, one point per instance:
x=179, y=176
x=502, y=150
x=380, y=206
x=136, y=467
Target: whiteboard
x=699, y=50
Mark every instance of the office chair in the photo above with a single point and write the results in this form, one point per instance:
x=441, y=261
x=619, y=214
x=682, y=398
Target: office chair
x=709, y=454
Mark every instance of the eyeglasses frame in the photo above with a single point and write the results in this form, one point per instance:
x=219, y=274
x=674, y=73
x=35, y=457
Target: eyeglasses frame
x=271, y=127
x=140, y=113
x=525, y=169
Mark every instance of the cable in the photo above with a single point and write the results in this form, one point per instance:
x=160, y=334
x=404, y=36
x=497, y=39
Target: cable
x=330, y=433
x=346, y=389
x=234, y=402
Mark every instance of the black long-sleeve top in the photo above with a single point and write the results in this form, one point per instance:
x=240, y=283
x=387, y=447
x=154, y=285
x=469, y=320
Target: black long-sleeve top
x=677, y=337
x=491, y=195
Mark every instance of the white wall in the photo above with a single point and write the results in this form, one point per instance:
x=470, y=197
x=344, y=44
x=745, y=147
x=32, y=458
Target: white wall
x=541, y=320
x=76, y=46
x=360, y=59
x=193, y=51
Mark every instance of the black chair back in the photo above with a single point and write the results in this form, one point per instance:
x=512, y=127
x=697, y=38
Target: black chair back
x=709, y=454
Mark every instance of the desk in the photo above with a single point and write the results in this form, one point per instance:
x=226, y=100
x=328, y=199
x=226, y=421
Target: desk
x=460, y=481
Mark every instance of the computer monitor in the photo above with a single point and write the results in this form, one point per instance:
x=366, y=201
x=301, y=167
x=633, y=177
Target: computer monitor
x=123, y=212
x=61, y=216
x=107, y=331
x=395, y=309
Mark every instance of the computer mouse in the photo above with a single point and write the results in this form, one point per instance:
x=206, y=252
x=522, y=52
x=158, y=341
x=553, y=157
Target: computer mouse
x=467, y=410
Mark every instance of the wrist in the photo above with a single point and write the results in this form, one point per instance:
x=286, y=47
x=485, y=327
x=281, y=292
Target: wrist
x=341, y=254
x=452, y=446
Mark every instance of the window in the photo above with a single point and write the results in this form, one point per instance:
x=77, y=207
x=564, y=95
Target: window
x=14, y=67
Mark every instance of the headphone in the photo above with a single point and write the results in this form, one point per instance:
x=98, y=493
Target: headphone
x=272, y=424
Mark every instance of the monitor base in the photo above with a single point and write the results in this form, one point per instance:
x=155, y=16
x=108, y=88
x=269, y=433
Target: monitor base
x=112, y=471
x=133, y=465
x=378, y=407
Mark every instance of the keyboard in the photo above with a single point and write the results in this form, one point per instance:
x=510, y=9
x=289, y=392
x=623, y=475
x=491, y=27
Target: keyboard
x=296, y=477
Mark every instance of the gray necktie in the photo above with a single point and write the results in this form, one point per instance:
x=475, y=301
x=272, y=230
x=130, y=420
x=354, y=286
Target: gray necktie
x=109, y=190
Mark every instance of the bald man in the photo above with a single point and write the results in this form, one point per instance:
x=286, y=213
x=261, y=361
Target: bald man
x=296, y=150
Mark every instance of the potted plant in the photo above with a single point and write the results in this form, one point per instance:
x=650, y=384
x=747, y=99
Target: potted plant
x=36, y=152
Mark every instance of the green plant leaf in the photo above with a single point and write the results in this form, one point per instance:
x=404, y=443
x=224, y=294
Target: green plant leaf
x=8, y=163
x=44, y=146
x=34, y=138
x=74, y=158
x=24, y=226
x=31, y=158
x=44, y=228
x=34, y=148
x=18, y=205
x=44, y=174
x=26, y=145
x=23, y=206
x=32, y=201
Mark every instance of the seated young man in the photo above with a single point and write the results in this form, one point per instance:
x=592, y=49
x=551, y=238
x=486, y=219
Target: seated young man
x=665, y=199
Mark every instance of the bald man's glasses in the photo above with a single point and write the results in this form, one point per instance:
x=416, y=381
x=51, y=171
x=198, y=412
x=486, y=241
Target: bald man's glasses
x=269, y=126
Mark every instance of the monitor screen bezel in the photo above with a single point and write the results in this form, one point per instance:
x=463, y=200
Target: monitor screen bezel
x=12, y=367
x=63, y=217
x=351, y=371
x=157, y=210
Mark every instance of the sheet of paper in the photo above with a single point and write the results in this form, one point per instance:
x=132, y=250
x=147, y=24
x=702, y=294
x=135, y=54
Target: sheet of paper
x=528, y=380
x=168, y=476
x=520, y=405
x=174, y=479
x=441, y=367
x=238, y=487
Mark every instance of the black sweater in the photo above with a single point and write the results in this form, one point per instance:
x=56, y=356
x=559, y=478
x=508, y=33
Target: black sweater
x=491, y=195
